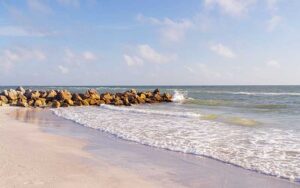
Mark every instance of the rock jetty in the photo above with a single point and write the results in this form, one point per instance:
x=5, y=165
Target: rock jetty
x=65, y=98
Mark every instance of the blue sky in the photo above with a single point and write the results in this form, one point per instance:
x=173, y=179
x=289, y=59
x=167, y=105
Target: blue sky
x=149, y=42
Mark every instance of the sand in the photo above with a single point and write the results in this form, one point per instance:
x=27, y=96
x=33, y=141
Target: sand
x=32, y=158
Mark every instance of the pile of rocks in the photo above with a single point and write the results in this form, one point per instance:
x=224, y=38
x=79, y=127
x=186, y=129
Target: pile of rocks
x=65, y=98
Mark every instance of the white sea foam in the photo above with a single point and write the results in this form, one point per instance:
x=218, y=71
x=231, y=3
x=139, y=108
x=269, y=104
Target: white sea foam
x=179, y=96
x=267, y=150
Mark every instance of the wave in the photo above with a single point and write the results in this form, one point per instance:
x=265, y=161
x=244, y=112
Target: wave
x=241, y=121
x=270, y=106
x=253, y=93
x=246, y=146
x=152, y=112
x=208, y=102
x=179, y=96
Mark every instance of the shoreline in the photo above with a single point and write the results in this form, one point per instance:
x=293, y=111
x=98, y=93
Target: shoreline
x=170, y=168
x=30, y=157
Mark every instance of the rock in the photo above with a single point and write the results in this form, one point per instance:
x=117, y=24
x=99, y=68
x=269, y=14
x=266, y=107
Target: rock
x=148, y=94
x=117, y=102
x=142, y=96
x=55, y=104
x=13, y=102
x=32, y=94
x=167, y=97
x=149, y=101
x=63, y=95
x=49, y=104
x=21, y=89
x=3, y=99
x=41, y=102
x=126, y=101
x=106, y=96
x=140, y=100
x=93, y=94
x=30, y=102
x=43, y=94
x=69, y=102
x=156, y=91
x=22, y=102
x=76, y=97
x=12, y=94
x=101, y=102
x=85, y=102
x=133, y=91
x=94, y=102
x=5, y=93
x=157, y=97
x=65, y=105
x=57, y=98
x=78, y=103
x=51, y=94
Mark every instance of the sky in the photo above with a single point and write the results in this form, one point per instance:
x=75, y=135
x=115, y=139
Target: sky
x=149, y=42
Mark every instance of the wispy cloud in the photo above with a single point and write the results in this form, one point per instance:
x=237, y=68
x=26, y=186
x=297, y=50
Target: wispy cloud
x=63, y=69
x=273, y=64
x=11, y=56
x=39, y=5
x=170, y=30
x=132, y=60
x=145, y=53
x=272, y=5
x=231, y=7
x=273, y=23
x=18, y=31
x=70, y=3
x=222, y=50
x=152, y=56
x=72, y=57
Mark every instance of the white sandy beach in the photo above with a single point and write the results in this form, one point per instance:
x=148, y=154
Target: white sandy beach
x=31, y=158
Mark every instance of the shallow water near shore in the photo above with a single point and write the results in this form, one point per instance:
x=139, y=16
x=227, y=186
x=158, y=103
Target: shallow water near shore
x=167, y=167
x=254, y=127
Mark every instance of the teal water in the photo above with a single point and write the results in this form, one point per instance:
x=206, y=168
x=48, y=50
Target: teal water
x=255, y=127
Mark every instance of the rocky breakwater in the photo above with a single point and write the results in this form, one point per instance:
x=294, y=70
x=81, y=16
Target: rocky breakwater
x=65, y=98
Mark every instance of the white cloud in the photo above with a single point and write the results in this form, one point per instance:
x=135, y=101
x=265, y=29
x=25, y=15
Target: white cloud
x=132, y=60
x=89, y=56
x=38, y=5
x=78, y=58
x=273, y=64
x=231, y=7
x=144, y=53
x=71, y=3
x=190, y=69
x=152, y=56
x=222, y=50
x=170, y=30
x=17, y=31
x=273, y=22
x=10, y=57
x=63, y=69
x=272, y=5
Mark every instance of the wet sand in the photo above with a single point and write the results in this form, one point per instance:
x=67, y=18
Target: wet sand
x=107, y=160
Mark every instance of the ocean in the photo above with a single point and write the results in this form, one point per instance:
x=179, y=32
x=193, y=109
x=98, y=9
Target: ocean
x=253, y=127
